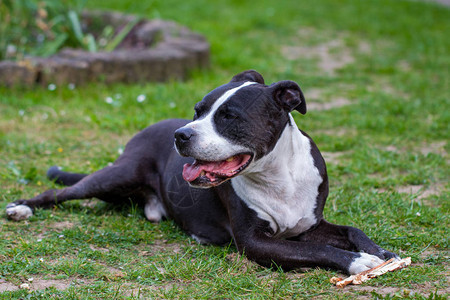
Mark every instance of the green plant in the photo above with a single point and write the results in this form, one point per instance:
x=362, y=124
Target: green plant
x=41, y=28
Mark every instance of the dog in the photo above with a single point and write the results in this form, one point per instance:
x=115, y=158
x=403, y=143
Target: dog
x=241, y=171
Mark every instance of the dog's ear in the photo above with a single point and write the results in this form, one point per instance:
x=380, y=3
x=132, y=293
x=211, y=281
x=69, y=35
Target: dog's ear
x=289, y=96
x=249, y=75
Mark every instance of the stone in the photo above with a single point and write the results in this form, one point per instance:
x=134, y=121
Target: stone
x=59, y=70
x=153, y=50
x=17, y=73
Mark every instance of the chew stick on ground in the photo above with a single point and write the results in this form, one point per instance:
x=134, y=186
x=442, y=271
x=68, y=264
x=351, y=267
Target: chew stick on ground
x=387, y=266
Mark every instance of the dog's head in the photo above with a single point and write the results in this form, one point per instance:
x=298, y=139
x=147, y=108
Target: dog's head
x=234, y=125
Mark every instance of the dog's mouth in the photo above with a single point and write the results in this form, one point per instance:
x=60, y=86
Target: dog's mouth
x=212, y=173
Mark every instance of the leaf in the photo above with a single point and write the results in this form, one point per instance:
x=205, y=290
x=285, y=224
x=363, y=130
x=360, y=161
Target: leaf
x=91, y=43
x=50, y=47
x=76, y=27
x=121, y=35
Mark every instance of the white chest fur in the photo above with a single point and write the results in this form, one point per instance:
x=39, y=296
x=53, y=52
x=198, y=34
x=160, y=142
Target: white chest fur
x=282, y=187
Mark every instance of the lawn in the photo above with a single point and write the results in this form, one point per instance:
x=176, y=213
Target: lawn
x=376, y=78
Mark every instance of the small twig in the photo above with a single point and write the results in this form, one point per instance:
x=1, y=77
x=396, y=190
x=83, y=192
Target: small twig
x=387, y=266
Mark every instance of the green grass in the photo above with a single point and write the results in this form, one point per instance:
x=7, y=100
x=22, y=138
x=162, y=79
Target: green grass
x=393, y=135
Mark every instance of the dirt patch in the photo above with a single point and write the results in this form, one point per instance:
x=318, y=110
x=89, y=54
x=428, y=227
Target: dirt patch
x=42, y=284
x=112, y=273
x=435, y=147
x=159, y=246
x=100, y=249
x=313, y=94
x=416, y=289
x=331, y=55
x=421, y=192
x=334, y=103
x=7, y=287
x=315, y=98
x=62, y=225
x=337, y=132
x=333, y=157
x=404, y=65
x=34, y=284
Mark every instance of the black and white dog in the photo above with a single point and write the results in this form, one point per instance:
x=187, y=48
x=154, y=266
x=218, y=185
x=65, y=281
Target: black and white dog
x=241, y=171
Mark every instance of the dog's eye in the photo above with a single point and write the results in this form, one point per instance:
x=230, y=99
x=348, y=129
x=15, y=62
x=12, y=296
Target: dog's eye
x=229, y=115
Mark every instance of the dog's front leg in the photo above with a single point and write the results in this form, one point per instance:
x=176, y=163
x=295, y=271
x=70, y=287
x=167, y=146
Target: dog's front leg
x=344, y=237
x=252, y=236
x=289, y=254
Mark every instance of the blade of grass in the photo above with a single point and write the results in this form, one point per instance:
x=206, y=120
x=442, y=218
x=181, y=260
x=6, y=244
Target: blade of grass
x=121, y=35
x=76, y=27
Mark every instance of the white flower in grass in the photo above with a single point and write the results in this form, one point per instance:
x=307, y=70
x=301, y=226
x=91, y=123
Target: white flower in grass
x=109, y=100
x=24, y=286
x=141, y=98
x=21, y=112
x=51, y=87
x=11, y=50
x=71, y=86
x=40, y=38
x=172, y=105
x=418, y=214
x=120, y=150
x=102, y=42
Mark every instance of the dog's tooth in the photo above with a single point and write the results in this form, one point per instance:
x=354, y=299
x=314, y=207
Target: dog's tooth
x=230, y=159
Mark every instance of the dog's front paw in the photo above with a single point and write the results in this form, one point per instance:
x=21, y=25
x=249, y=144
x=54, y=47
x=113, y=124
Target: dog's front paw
x=18, y=212
x=388, y=255
x=364, y=262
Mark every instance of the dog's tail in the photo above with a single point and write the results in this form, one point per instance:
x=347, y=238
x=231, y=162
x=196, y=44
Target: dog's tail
x=64, y=178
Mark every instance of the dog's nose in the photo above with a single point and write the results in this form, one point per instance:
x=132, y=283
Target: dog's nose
x=183, y=135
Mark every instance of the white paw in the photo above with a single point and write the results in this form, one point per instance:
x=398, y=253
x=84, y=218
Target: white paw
x=363, y=263
x=154, y=211
x=18, y=212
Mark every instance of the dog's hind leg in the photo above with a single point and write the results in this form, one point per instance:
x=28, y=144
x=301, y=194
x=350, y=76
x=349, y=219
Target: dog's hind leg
x=115, y=183
x=64, y=178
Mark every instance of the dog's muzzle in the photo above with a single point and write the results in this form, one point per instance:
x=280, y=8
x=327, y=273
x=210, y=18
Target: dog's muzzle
x=183, y=137
x=207, y=173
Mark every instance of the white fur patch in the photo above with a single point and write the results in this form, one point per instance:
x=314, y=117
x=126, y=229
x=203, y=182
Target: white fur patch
x=154, y=210
x=18, y=212
x=198, y=239
x=211, y=146
x=282, y=187
x=363, y=263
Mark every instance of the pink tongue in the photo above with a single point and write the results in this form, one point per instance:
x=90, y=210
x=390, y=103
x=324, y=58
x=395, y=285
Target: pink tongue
x=193, y=171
